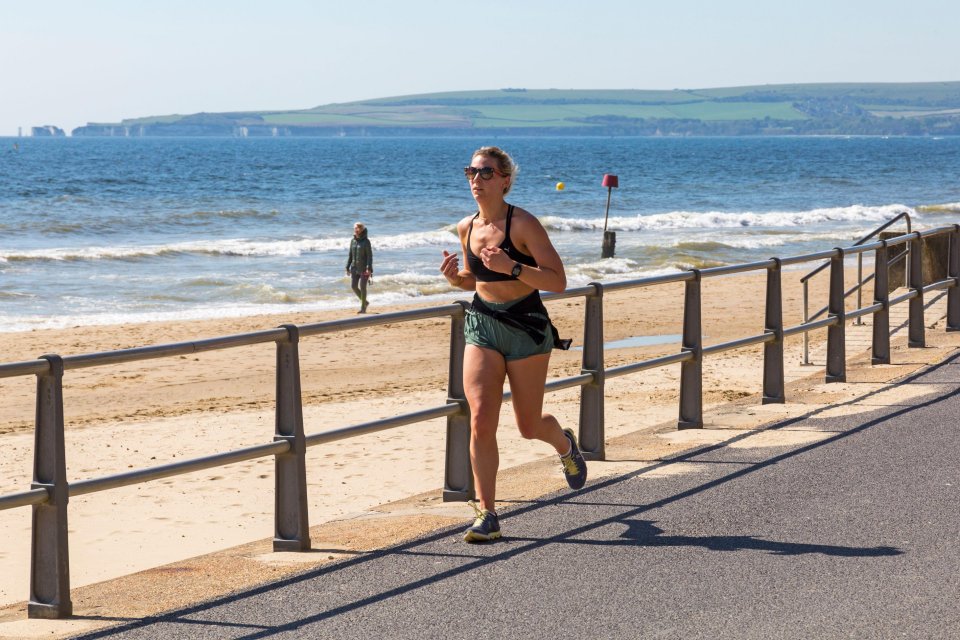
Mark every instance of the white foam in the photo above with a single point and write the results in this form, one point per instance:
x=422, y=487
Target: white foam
x=229, y=247
x=730, y=220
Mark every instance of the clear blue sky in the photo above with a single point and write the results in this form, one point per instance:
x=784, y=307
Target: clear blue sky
x=66, y=62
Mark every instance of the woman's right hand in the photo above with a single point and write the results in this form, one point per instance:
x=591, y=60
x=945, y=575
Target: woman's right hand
x=450, y=267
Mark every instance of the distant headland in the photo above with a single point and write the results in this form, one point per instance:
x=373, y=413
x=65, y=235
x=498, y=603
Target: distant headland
x=911, y=109
x=47, y=131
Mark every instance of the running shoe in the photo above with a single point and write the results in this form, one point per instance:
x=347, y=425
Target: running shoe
x=574, y=466
x=486, y=527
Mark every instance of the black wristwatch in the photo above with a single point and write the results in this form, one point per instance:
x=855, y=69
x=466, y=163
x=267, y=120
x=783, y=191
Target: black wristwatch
x=517, y=268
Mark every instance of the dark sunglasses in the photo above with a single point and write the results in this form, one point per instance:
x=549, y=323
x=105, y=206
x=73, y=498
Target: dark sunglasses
x=485, y=173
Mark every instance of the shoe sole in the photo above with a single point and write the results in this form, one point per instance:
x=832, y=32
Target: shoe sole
x=470, y=536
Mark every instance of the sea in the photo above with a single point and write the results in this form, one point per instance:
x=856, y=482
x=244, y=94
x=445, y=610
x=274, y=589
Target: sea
x=118, y=230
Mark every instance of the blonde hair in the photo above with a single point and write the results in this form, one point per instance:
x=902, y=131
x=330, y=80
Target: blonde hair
x=505, y=163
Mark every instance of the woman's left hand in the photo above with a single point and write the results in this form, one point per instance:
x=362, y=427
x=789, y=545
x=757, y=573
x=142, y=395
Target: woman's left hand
x=496, y=260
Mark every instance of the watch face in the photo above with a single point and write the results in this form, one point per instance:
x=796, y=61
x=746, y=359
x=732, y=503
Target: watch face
x=517, y=268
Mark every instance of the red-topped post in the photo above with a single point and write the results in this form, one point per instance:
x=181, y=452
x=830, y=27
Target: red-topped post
x=609, y=237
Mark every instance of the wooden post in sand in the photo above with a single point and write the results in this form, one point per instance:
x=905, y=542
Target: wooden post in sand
x=609, y=237
x=49, y=553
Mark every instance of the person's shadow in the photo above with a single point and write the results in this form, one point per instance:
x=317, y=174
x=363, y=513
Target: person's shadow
x=646, y=533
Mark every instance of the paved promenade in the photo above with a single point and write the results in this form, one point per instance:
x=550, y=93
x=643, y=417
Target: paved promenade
x=851, y=530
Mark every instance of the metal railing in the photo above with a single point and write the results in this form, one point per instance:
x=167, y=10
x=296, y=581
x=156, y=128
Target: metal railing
x=858, y=288
x=50, y=490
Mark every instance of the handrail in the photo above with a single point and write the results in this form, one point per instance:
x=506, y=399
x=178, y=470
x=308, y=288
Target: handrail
x=49, y=493
x=858, y=288
x=885, y=225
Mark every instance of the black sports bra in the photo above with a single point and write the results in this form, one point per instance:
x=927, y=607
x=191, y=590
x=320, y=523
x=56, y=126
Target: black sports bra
x=480, y=271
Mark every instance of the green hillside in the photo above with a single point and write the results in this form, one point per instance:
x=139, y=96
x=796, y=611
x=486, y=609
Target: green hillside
x=863, y=109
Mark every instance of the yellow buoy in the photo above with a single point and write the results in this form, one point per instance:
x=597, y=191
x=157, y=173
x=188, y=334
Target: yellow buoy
x=560, y=186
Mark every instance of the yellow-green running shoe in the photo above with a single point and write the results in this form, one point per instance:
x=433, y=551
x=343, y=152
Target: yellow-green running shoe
x=574, y=466
x=486, y=527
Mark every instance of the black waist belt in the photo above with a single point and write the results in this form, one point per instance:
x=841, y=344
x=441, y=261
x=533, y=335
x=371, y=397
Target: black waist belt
x=519, y=317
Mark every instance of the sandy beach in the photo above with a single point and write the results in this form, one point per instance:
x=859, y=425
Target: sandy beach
x=148, y=413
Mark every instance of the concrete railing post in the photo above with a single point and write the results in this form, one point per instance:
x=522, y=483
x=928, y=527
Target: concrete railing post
x=806, y=319
x=592, y=435
x=291, y=520
x=881, y=317
x=458, y=473
x=953, y=271
x=49, y=553
x=836, y=333
x=859, y=320
x=691, y=371
x=916, y=334
x=773, y=391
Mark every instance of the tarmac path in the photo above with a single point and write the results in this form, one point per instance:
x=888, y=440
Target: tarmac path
x=852, y=533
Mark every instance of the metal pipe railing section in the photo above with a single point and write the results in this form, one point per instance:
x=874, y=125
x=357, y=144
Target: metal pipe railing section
x=727, y=270
x=290, y=442
x=857, y=288
x=808, y=257
x=738, y=344
x=810, y=326
x=28, y=368
x=863, y=311
x=939, y=285
x=909, y=295
x=670, y=278
x=652, y=363
x=172, y=350
x=83, y=487
x=859, y=247
x=884, y=226
x=375, y=426
x=333, y=326
x=24, y=498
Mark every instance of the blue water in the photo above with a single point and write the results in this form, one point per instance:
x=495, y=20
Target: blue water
x=114, y=230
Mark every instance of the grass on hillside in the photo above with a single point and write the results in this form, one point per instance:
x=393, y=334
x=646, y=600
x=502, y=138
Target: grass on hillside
x=541, y=108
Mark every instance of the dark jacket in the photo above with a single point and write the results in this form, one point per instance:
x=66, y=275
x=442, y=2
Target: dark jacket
x=360, y=258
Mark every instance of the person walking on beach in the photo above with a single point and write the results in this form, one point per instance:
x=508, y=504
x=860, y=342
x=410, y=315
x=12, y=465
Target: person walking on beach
x=360, y=264
x=509, y=258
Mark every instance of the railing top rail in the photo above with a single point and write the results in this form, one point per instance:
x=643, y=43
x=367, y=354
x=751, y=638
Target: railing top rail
x=738, y=268
x=863, y=248
x=809, y=257
x=332, y=326
x=28, y=368
x=905, y=238
x=680, y=276
x=176, y=349
x=937, y=231
x=585, y=292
